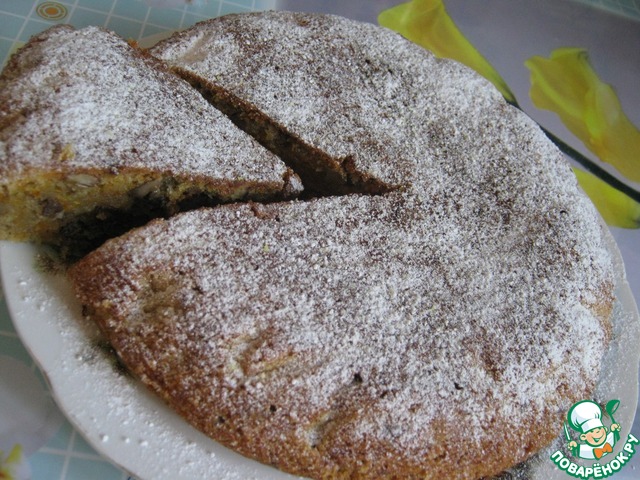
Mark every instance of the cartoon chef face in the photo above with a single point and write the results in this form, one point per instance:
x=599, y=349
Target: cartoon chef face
x=586, y=417
x=595, y=437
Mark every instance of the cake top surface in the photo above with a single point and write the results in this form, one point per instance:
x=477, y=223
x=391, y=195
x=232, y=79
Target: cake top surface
x=85, y=100
x=350, y=97
x=358, y=321
x=426, y=125
x=470, y=298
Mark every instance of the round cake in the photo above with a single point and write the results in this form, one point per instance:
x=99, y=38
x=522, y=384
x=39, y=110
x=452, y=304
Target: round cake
x=432, y=313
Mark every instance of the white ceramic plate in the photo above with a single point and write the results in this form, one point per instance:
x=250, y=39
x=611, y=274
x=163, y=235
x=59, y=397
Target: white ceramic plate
x=126, y=423
x=115, y=414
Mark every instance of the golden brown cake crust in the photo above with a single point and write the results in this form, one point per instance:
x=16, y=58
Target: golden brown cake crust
x=439, y=329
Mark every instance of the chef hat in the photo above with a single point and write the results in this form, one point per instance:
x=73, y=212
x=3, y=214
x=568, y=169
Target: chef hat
x=585, y=415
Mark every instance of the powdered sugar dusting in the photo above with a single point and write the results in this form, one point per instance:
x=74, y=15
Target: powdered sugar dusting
x=367, y=327
x=348, y=97
x=89, y=94
x=359, y=304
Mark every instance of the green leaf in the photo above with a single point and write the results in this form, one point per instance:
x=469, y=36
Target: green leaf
x=427, y=23
x=566, y=84
x=616, y=208
x=612, y=406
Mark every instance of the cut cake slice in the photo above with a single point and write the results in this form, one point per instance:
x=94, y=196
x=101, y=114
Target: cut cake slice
x=96, y=137
x=305, y=98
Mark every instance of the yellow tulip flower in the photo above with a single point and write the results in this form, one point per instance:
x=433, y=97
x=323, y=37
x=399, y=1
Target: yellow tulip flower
x=9, y=464
x=427, y=23
x=566, y=84
x=616, y=208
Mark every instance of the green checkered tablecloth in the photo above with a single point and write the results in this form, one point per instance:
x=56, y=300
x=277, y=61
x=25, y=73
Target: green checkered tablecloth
x=132, y=19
